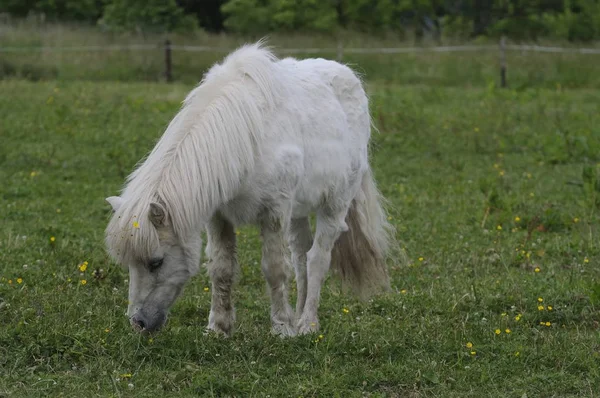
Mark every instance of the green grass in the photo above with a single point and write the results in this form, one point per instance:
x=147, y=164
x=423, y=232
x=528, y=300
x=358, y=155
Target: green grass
x=456, y=163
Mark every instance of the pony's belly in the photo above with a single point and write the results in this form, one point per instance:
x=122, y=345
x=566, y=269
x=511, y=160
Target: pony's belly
x=302, y=209
x=242, y=210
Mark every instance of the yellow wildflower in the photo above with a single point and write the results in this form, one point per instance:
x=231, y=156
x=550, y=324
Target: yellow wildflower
x=507, y=331
x=537, y=269
x=540, y=299
x=125, y=376
x=321, y=337
x=531, y=194
x=576, y=220
x=346, y=310
x=496, y=166
x=83, y=266
x=469, y=345
x=540, y=308
x=517, y=218
x=517, y=353
x=19, y=280
x=497, y=331
x=549, y=308
x=136, y=224
x=586, y=260
x=518, y=317
x=548, y=324
x=83, y=281
x=10, y=281
x=403, y=291
x=499, y=227
x=206, y=289
x=421, y=259
x=106, y=330
x=504, y=314
x=501, y=173
x=473, y=352
x=58, y=210
x=52, y=239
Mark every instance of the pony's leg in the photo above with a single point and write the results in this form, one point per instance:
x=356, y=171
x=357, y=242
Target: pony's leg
x=274, y=265
x=300, y=239
x=222, y=268
x=330, y=224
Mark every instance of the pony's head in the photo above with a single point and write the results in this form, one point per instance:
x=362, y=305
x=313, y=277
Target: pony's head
x=140, y=236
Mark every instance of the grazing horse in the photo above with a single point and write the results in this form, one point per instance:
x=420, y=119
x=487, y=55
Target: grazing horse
x=262, y=141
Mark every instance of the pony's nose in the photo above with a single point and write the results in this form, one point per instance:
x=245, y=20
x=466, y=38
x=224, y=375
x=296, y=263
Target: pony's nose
x=138, y=323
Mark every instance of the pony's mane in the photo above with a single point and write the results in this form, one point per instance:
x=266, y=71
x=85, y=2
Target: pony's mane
x=204, y=154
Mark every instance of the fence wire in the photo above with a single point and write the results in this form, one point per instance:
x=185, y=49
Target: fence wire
x=311, y=50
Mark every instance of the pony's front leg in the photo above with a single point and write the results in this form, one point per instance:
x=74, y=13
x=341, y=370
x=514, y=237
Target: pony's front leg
x=274, y=265
x=300, y=239
x=329, y=228
x=222, y=268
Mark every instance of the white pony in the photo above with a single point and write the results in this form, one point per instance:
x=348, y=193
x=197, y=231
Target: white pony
x=260, y=141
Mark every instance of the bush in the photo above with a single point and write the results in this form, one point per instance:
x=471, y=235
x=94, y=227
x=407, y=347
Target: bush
x=259, y=16
x=147, y=16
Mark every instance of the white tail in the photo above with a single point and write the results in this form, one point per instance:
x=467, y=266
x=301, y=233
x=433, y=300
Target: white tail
x=359, y=255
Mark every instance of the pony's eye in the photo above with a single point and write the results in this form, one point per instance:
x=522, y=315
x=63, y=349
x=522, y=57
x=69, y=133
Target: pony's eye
x=155, y=263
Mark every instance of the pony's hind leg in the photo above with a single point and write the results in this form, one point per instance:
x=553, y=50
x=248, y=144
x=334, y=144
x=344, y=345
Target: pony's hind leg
x=274, y=266
x=222, y=269
x=330, y=224
x=300, y=239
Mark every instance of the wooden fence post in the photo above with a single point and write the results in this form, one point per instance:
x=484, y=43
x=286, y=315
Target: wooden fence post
x=503, y=62
x=168, y=72
x=340, y=51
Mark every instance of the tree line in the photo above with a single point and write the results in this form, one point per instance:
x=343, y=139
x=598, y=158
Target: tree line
x=573, y=20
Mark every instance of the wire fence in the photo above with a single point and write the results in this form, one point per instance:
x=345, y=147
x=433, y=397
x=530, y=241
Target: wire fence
x=168, y=48
x=306, y=50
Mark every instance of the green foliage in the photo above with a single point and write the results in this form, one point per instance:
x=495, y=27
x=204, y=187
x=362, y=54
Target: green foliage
x=573, y=20
x=260, y=16
x=147, y=15
x=70, y=10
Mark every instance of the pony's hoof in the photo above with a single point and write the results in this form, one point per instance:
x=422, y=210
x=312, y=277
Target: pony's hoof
x=220, y=331
x=308, y=326
x=283, y=330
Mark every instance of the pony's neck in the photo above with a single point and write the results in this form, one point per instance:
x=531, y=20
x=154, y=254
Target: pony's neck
x=211, y=144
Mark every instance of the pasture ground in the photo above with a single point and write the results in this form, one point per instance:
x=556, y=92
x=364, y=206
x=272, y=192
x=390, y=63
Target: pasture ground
x=495, y=195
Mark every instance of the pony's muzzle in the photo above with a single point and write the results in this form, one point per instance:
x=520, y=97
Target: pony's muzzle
x=138, y=323
x=143, y=324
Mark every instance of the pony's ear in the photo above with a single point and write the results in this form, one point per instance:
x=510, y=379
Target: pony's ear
x=157, y=215
x=115, y=202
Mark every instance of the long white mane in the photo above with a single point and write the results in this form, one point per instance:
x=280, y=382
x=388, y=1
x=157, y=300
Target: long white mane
x=211, y=142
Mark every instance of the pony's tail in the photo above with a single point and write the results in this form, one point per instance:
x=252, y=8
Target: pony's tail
x=359, y=255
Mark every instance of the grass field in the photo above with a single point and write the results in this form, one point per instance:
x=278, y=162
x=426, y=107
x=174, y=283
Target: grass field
x=495, y=194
